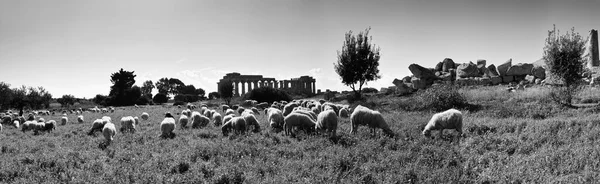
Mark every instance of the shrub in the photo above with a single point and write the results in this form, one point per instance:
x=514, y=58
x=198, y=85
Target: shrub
x=267, y=94
x=369, y=90
x=187, y=98
x=440, y=98
x=160, y=98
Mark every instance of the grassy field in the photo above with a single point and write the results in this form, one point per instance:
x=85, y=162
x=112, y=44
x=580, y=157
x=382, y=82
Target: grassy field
x=516, y=137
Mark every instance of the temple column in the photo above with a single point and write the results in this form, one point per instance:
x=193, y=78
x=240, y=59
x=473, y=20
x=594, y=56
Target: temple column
x=235, y=91
x=243, y=87
x=275, y=83
x=314, y=87
x=271, y=84
x=249, y=86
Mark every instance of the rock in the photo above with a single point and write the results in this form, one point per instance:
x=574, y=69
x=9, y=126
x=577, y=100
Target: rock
x=496, y=80
x=481, y=66
x=445, y=76
x=492, y=70
x=401, y=88
x=484, y=81
x=467, y=81
x=530, y=79
x=520, y=69
x=425, y=74
x=538, y=72
x=538, y=81
x=519, y=78
x=503, y=68
x=418, y=83
x=448, y=64
x=507, y=79
x=406, y=79
x=467, y=70
x=438, y=67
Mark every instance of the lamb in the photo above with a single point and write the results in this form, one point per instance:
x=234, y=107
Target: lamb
x=97, y=125
x=229, y=112
x=109, y=131
x=224, y=107
x=145, y=116
x=136, y=120
x=255, y=110
x=127, y=124
x=217, y=119
x=449, y=119
x=367, y=117
x=80, y=119
x=167, y=126
x=236, y=124
x=343, y=113
x=327, y=122
x=275, y=118
x=198, y=120
x=183, y=121
x=252, y=121
x=64, y=120
x=240, y=110
x=300, y=121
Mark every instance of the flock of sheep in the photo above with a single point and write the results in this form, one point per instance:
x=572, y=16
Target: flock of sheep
x=309, y=116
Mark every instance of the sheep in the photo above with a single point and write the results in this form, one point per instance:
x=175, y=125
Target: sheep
x=275, y=118
x=167, y=126
x=224, y=107
x=97, y=125
x=449, y=119
x=301, y=121
x=198, y=120
x=208, y=113
x=109, y=131
x=6, y=120
x=255, y=110
x=236, y=124
x=0, y=127
x=145, y=116
x=217, y=119
x=28, y=125
x=287, y=109
x=343, y=113
x=252, y=121
x=112, y=109
x=227, y=118
x=187, y=112
x=240, y=110
x=106, y=119
x=229, y=112
x=136, y=120
x=183, y=121
x=203, y=109
x=327, y=122
x=41, y=120
x=235, y=107
x=315, y=110
x=16, y=124
x=263, y=105
x=47, y=126
x=80, y=119
x=127, y=124
x=311, y=114
x=367, y=117
x=64, y=120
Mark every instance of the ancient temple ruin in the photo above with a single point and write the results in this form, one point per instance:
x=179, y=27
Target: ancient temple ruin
x=245, y=83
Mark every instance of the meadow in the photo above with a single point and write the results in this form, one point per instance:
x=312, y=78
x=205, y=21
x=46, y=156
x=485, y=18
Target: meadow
x=519, y=137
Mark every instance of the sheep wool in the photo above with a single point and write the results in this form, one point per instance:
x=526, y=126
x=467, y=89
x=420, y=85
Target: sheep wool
x=167, y=126
x=198, y=120
x=64, y=120
x=327, y=122
x=145, y=116
x=367, y=117
x=288, y=108
x=97, y=125
x=229, y=112
x=252, y=121
x=127, y=124
x=183, y=121
x=80, y=119
x=236, y=124
x=301, y=121
x=449, y=119
x=275, y=118
x=16, y=124
x=343, y=113
x=227, y=118
x=109, y=131
x=217, y=119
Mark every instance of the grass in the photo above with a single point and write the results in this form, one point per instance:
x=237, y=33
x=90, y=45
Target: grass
x=510, y=148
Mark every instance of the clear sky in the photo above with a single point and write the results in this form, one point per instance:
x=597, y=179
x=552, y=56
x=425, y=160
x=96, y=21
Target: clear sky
x=72, y=46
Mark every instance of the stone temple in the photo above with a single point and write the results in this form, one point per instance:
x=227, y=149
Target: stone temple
x=245, y=83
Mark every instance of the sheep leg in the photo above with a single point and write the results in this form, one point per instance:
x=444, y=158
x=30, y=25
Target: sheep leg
x=441, y=133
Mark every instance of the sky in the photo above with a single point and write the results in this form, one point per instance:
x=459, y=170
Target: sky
x=73, y=46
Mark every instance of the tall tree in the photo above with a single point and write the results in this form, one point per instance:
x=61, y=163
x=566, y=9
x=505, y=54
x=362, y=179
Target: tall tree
x=358, y=61
x=6, y=95
x=226, y=90
x=169, y=86
x=122, y=83
x=66, y=100
x=147, y=88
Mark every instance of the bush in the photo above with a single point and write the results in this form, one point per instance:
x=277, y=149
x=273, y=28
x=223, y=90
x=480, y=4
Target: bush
x=369, y=90
x=267, y=94
x=187, y=98
x=437, y=98
x=160, y=98
x=143, y=100
x=176, y=103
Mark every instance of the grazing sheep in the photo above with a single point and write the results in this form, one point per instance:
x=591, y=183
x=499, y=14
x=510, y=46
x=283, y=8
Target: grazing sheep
x=128, y=124
x=315, y=110
x=287, y=109
x=367, y=117
x=136, y=120
x=255, y=110
x=235, y=107
x=203, y=109
x=64, y=120
x=237, y=124
x=16, y=124
x=343, y=113
x=217, y=119
x=145, y=116
x=229, y=112
x=240, y=110
x=97, y=125
x=327, y=122
x=311, y=114
x=301, y=121
x=224, y=107
x=47, y=126
x=275, y=118
x=80, y=119
x=449, y=119
x=109, y=131
x=252, y=121
x=167, y=126
x=208, y=113
x=183, y=121
x=198, y=120
x=6, y=120
x=106, y=119
x=28, y=125
x=227, y=118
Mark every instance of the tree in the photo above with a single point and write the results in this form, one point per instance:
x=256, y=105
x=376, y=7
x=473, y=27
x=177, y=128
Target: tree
x=563, y=57
x=66, y=100
x=358, y=61
x=226, y=90
x=100, y=99
x=169, y=86
x=213, y=95
x=6, y=96
x=160, y=98
x=121, y=93
x=147, y=88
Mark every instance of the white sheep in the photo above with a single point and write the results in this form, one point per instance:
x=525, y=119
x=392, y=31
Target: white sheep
x=80, y=119
x=64, y=120
x=229, y=112
x=255, y=110
x=106, y=119
x=183, y=121
x=288, y=108
x=227, y=118
x=145, y=116
x=217, y=119
x=449, y=119
x=46, y=126
x=240, y=110
x=203, y=109
x=343, y=113
x=198, y=120
x=167, y=126
x=97, y=125
x=16, y=124
x=224, y=107
x=275, y=118
x=136, y=120
x=109, y=131
x=251, y=121
x=327, y=122
x=237, y=124
x=315, y=110
x=300, y=121
x=127, y=124
x=311, y=114
x=367, y=117
x=28, y=125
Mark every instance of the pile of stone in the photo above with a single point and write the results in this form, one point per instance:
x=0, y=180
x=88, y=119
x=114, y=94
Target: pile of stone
x=469, y=73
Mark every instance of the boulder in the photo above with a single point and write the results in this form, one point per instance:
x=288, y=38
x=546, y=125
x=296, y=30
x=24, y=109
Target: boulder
x=520, y=69
x=445, y=76
x=452, y=72
x=538, y=72
x=507, y=78
x=467, y=70
x=438, y=67
x=448, y=64
x=467, y=81
x=503, y=68
x=484, y=81
x=425, y=74
x=418, y=83
x=481, y=66
x=401, y=88
x=492, y=70
x=406, y=79
x=519, y=78
x=496, y=80
x=538, y=81
x=530, y=79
